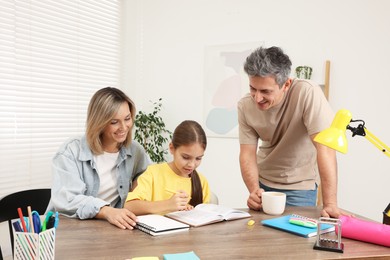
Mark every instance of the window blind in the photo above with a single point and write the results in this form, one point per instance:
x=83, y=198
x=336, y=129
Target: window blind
x=54, y=56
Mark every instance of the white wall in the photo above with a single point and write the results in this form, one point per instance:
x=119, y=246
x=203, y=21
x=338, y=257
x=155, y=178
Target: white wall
x=168, y=61
x=164, y=58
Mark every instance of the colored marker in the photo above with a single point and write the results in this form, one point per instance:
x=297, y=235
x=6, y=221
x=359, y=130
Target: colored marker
x=17, y=226
x=48, y=215
x=22, y=219
x=56, y=220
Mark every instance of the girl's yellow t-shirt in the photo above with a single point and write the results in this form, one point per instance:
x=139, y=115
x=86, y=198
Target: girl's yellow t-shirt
x=158, y=182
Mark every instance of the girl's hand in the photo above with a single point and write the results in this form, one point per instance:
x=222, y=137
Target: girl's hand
x=179, y=200
x=189, y=207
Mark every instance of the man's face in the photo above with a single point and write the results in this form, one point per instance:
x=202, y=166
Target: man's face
x=266, y=92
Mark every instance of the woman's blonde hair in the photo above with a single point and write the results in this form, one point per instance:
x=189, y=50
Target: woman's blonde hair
x=102, y=108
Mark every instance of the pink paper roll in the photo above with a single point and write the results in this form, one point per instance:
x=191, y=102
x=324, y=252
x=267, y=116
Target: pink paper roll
x=366, y=231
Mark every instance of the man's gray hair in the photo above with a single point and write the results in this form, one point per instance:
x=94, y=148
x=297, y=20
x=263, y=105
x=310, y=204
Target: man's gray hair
x=269, y=62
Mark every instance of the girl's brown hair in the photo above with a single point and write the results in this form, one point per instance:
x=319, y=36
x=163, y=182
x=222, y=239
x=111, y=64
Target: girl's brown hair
x=186, y=133
x=103, y=106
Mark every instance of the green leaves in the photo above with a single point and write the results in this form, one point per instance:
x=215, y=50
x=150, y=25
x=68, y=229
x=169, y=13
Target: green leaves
x=303, y=72
x=151, y=132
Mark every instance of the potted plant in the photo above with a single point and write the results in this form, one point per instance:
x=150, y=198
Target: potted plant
x=303, y=72
x=151, y=132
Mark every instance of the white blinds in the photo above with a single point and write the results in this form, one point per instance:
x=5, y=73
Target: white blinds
x=54, y=54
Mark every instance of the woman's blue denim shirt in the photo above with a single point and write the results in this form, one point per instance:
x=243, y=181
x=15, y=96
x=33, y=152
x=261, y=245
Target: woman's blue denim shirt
x=76, y=182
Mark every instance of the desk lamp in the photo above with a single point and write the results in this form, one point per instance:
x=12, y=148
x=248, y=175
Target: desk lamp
x=335, y=138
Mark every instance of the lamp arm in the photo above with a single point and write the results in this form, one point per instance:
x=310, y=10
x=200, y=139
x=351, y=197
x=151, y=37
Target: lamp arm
x=378, y=143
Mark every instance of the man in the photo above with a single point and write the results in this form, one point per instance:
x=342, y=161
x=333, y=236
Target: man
x=285, y=115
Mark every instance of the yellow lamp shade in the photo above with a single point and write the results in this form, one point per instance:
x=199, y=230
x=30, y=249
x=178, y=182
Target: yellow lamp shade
x=334, y=137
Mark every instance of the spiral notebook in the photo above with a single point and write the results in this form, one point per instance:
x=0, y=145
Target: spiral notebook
x=283, y=223
x=156, y=225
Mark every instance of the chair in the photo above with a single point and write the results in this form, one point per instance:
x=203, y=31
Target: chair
x=38, y=199
x=213, y=198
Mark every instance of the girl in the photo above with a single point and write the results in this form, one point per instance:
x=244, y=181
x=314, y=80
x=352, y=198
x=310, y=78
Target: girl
x=176, y=185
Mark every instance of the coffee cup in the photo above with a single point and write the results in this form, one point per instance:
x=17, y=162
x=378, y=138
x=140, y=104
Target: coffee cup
x=273, y=202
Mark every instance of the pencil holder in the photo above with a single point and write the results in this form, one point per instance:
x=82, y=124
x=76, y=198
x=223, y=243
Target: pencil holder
x=386, y=215
x=34, y=246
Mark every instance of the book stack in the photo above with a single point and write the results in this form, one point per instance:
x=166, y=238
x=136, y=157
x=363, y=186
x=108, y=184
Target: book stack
x=157, y=225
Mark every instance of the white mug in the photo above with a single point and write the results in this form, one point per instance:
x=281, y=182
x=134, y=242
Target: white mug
x=273, y=202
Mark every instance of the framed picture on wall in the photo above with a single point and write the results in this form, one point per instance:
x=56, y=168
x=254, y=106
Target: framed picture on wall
x=225, y=82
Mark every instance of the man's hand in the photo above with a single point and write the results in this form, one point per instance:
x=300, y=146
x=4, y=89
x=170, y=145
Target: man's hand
x=254, y=201
x=122, y=218
x=332, y=211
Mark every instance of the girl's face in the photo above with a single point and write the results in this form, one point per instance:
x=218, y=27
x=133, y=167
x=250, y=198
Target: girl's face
x=186, y=158
x=116, y=131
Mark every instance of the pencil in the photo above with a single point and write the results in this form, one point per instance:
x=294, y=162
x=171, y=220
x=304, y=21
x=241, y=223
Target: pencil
x=30, y=218
x=171, y=191
x=22, y=219
x=174, y=192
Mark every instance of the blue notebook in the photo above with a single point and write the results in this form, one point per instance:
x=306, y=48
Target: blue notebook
x=182, y=256
x=282, y=223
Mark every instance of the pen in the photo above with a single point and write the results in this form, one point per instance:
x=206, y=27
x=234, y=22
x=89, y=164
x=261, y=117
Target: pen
x=30, y=218
x=174, y=192
x=27, y=221
x=50, y=223
x=22, y=219
x=48, y=215
x=171, y=191
x=17, y=226
x=56, y=220
x=37, y=221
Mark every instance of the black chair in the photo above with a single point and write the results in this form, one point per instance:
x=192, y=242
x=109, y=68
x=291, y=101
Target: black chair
x=38, y=199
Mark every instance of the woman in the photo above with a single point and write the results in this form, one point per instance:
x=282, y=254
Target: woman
x=94, y=173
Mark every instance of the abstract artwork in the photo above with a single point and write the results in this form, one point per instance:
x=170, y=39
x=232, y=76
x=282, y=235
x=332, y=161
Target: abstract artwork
x=225, y=84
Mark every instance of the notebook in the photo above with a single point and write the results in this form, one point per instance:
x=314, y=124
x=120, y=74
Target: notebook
x=156, y=225
x=282, y=223
x=181, y=256
x=204, y=214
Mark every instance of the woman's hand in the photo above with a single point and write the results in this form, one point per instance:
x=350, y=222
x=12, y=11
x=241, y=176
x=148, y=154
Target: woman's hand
x=122, y=218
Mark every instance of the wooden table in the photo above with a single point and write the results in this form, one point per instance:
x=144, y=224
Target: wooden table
x=97, y=239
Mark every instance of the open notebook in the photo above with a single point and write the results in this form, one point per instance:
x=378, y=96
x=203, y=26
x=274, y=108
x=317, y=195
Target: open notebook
x=204, y=214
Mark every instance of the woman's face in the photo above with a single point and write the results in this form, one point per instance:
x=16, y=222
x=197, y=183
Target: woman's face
x=117, y=130
x=186, y=158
